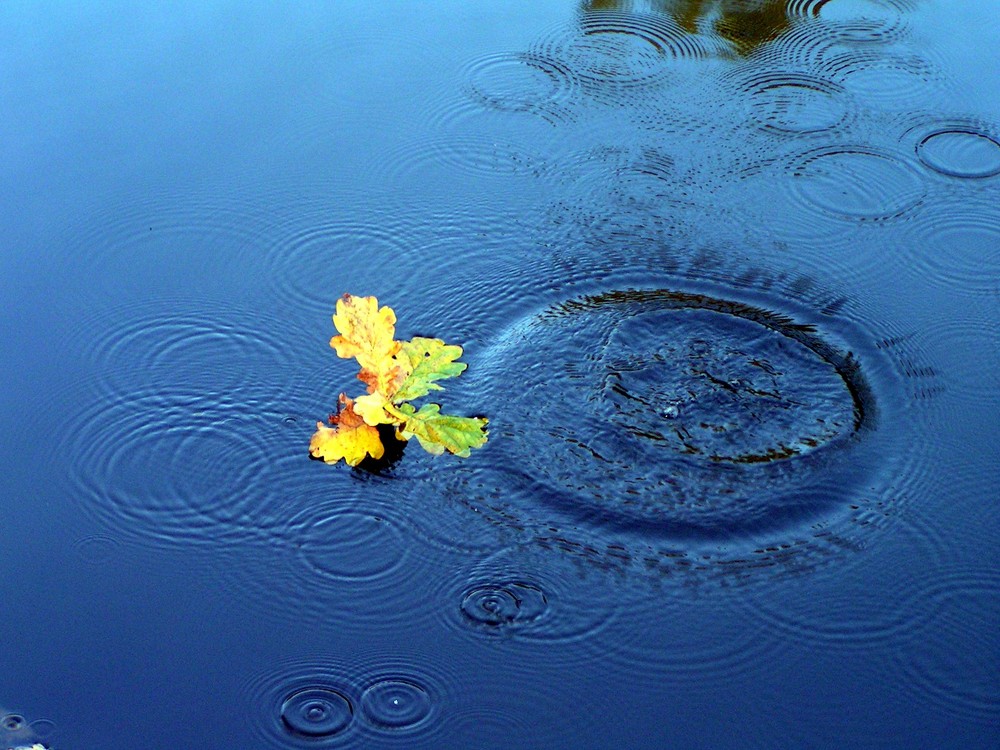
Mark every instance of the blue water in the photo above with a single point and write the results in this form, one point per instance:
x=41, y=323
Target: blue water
x=727, y=278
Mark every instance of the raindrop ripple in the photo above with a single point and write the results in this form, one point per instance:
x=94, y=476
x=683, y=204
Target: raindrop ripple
x=316, y=712
x=396, y=704
x=858, y=183
x=693, y=427
x=958, y=151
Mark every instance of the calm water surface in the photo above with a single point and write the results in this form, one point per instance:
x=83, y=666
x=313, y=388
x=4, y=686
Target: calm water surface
x=727, y=275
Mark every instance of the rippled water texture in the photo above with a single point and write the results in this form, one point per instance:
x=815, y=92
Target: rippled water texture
x=727, y=279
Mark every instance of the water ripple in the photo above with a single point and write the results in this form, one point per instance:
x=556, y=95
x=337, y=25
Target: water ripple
x=332, y=539
x=305, y=262
x=863, y=22
x=887, y=81
x=792, y=102
x=346, y=544
x=522, y=83
x=630, y=178
x=181, y=345
x=688, y=641
x=614, y=50
x=192, y=240
x=396, y=704
x=520, y=594
x=469, y=154
x=316, y=712
x=546, y=479
x=493, y=728
x=845, y=611
x=17, y=733
x=668, y=426
x=801, y=48
x=336, y=702
x=273, y=698
x=963, y=331
x=857, y=182
x=188, y=474
x=962, y=606
x=964, y=148
x=97, y=549
x=955, y=243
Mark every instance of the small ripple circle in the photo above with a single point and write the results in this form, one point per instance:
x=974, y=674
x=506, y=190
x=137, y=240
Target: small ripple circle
x=622, y=49
x=525, y=83
x=958, y=152
x=13, y=722
x=97, y=549
x=316, y=712
x=525, y=592
x=504, y=604
x=395, y=704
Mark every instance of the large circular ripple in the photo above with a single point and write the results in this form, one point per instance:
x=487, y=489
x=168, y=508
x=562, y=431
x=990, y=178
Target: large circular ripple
x=615, y=49
x=795, y=103
x=857, y=183
x=189, y=471
x=522, y=83
x=695, y=418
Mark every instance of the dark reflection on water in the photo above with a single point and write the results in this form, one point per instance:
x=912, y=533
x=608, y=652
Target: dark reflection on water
x=746, y=25
x=726, y=278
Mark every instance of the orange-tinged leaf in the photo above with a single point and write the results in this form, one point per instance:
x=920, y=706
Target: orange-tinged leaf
x=352, y=439
x=387, y=379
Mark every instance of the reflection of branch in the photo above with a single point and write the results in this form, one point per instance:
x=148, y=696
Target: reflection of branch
x=748, y=24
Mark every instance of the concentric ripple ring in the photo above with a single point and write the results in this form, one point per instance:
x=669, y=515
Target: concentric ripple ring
x=684, y=415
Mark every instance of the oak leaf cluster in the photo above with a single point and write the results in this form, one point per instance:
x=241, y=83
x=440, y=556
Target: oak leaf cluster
x=395, y=373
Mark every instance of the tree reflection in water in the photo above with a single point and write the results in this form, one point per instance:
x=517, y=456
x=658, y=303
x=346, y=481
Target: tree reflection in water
x=747, y=24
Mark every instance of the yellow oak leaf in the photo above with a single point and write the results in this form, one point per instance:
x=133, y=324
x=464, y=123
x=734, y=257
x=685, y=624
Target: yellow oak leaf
x=372, y=409
x=366, y=333
x=351, y=439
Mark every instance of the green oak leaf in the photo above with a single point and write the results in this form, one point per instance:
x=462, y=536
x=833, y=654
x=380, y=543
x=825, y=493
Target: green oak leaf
x=438, y=432
x=426, y=360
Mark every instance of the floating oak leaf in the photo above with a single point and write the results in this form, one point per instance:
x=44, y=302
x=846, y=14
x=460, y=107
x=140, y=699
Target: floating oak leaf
x=394, y=372
x=366, y=332
x=375, y=409
x=438, y=432
x=351, y=439
x=427, y=360
x=388, y=378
